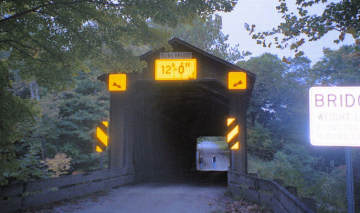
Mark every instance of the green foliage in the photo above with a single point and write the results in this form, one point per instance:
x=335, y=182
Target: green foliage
x=260, y=143
x=274, y=103
x=295, y=167
x=338, y=67
x=51, y=42
x=65, y=36
x=279, y=107
x=278, y=125
x=72, y=127
x=18, y=160
x=303, y=26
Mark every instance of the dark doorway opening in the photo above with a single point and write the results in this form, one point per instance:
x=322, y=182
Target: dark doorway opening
x=172, y=115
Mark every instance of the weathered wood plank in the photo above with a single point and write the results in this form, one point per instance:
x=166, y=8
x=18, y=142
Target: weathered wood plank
x=267, y=192
x=10, y=205
x=286, y=197
x=266, y=185
x=75, y=191
x=47, y=184
x=12, y=190
x=266, y=199
x=252, y=195
x=278, y=207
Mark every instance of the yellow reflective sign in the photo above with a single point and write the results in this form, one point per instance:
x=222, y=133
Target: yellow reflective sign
x=237, y=81
x=117, y=82
x=232, y=134
x=236, y=146
x=175, y=69
x=106, y=123
x=98, y=149
x=101, y=136
x=230, y=121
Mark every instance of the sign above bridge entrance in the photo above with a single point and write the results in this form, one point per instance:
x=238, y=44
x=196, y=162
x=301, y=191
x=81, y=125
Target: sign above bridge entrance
x=117, y=82
x=175, y=69
x=173, y=55
x=237, y=81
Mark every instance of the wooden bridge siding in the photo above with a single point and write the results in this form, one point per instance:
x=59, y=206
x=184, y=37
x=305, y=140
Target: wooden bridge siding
x=265, y=192
x=130, y=113
x=34, y=194
x=211, y=69
x=148, y=143
x=120, y=135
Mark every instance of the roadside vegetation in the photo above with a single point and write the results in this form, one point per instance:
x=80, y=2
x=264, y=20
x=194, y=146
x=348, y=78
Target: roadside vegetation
x=52, y=53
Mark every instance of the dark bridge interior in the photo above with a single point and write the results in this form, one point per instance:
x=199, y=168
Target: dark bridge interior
x=170, y=116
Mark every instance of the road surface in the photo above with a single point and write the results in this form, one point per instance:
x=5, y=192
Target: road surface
x=149, y=198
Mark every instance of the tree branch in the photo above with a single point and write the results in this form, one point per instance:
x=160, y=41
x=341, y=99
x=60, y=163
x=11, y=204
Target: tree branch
x=17, y=15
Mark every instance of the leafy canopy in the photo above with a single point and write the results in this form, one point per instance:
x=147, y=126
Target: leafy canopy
x=338, y=67
x=302, y=26
x=48, y=39
x=50, y=42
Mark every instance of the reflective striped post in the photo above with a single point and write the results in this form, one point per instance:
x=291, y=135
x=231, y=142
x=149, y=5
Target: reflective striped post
x=232, y=134
x=102, y=136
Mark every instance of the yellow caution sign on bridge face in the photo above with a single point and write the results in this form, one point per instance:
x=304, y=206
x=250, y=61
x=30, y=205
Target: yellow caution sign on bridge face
x=117, y=82
x=237, y=81
x=175, y=69
x=102, y=136
x=233, y=133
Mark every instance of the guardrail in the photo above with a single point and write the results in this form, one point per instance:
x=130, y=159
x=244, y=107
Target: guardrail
x=33, y=194
x=267, y=193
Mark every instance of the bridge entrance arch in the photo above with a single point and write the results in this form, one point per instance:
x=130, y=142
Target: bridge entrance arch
x=154, y=124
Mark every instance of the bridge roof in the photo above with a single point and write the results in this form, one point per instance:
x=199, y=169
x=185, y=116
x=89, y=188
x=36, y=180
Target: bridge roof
x=176, y=42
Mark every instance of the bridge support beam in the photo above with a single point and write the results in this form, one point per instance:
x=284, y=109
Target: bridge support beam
x=238, y=158
x=121, y=146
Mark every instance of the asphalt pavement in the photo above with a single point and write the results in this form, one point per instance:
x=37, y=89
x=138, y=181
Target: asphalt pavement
x=151, y=198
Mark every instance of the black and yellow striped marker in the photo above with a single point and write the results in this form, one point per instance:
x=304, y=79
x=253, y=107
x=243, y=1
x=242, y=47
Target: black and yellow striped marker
x=102, y=136
x=233, y=133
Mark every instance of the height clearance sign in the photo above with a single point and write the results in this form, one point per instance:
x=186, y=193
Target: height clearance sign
x=334, y=116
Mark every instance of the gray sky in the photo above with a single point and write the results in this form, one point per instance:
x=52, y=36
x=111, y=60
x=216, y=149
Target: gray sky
x=263, y=14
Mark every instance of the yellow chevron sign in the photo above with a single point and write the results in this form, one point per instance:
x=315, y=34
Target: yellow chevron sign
x=102, y=136
x=237, y=81
x=117, y=82
x=233, y=133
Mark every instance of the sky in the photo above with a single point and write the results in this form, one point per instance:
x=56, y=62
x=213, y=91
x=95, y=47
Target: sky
x=263, y=14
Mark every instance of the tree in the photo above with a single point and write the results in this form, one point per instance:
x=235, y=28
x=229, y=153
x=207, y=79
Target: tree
x=74, y=123
x=268, y=87
x=298, y=28
x=50, y=42
x=276, y=113
x=42, y=35
x=338, y=67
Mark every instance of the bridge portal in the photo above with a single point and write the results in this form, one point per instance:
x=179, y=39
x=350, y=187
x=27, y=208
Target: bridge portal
x=154, y=124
